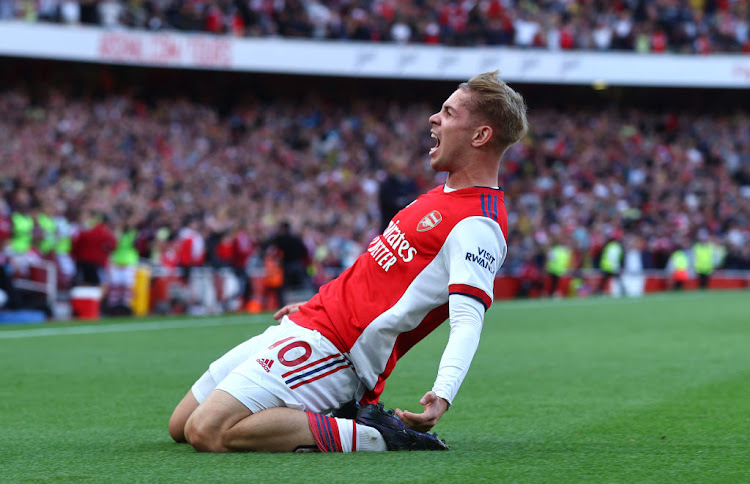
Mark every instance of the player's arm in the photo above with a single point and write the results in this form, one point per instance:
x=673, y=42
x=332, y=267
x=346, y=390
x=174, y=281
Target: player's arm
x=472, y=255
x=466, y=318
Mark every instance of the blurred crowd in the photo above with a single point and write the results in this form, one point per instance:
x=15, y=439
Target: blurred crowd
x=184, y=186
x=684, y=26
x=660, y=178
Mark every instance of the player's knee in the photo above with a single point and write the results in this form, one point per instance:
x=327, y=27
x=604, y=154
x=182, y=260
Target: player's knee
x=180, y=416
x=177, y=429
x=203, y=438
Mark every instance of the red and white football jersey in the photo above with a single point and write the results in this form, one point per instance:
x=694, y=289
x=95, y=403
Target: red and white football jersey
x=396, y=293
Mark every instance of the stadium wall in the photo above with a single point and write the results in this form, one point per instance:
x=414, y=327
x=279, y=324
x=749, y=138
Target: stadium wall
x=507, y=287
x=366, y=59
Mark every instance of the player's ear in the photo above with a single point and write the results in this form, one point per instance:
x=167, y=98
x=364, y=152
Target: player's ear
x=482, y=136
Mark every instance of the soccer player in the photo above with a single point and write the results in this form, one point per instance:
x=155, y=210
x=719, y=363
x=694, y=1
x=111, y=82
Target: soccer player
x=437, y=259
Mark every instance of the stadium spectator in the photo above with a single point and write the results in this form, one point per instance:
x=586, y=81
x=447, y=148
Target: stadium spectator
x=63, y=245
x=294, y=261
x=91, y=250
x=273, y=278
x=611, y=264
x=530, y=279
x=678, y=267
x=705, y=258
x=122, y=270
x=558, y=265
x=391, y=298
x=397, y=190
x=22, y=223
x=243, y=247
x=633, y=278
x=643, y=26
x=8, y=298
x=191, y=251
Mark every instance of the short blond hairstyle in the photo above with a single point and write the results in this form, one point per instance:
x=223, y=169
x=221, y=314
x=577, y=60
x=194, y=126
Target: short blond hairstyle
x=499, y=106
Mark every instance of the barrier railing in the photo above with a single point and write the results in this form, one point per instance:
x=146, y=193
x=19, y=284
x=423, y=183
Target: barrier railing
x=509, y=286
x=38, y=276
x=207, y=290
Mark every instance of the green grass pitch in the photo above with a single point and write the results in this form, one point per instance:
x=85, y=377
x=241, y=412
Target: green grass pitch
x=588, y=390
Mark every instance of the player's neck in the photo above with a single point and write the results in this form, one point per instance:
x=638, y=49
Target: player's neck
x=472, y=176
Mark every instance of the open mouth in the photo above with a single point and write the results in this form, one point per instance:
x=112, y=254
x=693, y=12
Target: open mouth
x=437, y=144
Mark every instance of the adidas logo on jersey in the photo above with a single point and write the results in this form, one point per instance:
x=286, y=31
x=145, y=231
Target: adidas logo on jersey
x=265, y=363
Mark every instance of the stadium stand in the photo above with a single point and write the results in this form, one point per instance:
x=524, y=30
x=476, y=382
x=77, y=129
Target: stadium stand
x=206, y=165
x=695, y=26
x=659, y=176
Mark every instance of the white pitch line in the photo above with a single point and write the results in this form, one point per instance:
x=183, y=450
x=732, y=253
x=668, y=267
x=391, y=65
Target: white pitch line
x=134, y=326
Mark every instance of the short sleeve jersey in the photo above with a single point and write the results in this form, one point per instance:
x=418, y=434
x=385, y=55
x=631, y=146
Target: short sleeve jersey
x=397, y=291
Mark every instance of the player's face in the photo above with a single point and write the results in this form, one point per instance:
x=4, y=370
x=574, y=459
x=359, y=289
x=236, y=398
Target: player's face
x=452, y=127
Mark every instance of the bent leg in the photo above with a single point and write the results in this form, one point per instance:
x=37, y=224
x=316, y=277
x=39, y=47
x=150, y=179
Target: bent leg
x=198, y=392
x=223, y=424
x=203, y=387
x=274, y=430
x=180, y=416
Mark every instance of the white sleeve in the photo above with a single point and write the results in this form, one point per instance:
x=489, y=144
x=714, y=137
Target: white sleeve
x=474, y=251
x=466, y=318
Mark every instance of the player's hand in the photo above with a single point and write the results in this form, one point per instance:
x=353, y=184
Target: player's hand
x=434, y=408
x=287, y=310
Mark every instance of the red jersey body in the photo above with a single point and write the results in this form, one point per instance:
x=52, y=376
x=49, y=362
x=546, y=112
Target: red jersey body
x=396, y=293
x=94, y=246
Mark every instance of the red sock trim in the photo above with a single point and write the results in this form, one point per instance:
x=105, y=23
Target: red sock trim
x=354, y=436
x=326, y=432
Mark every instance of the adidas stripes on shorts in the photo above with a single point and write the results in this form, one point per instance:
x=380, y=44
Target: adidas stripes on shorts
x=285, y=366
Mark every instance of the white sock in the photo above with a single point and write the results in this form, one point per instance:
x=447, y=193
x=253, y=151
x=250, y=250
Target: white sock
x=368, y=439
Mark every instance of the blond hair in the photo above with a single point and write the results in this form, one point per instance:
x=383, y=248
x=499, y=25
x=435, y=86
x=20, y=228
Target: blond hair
x=499, y=106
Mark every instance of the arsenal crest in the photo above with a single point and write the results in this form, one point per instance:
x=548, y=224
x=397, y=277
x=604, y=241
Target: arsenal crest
x=429, y=221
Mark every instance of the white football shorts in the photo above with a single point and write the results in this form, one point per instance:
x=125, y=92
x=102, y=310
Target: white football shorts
x=285, y=366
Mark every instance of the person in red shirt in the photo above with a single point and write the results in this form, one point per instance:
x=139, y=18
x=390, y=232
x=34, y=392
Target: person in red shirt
x=91, y=250
x=437, y=259
x=243, y=246
x=191, y=247
x=6, y=226
x=530, y=280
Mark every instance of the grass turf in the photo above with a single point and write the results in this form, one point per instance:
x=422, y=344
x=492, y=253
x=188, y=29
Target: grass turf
x=596, y=390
